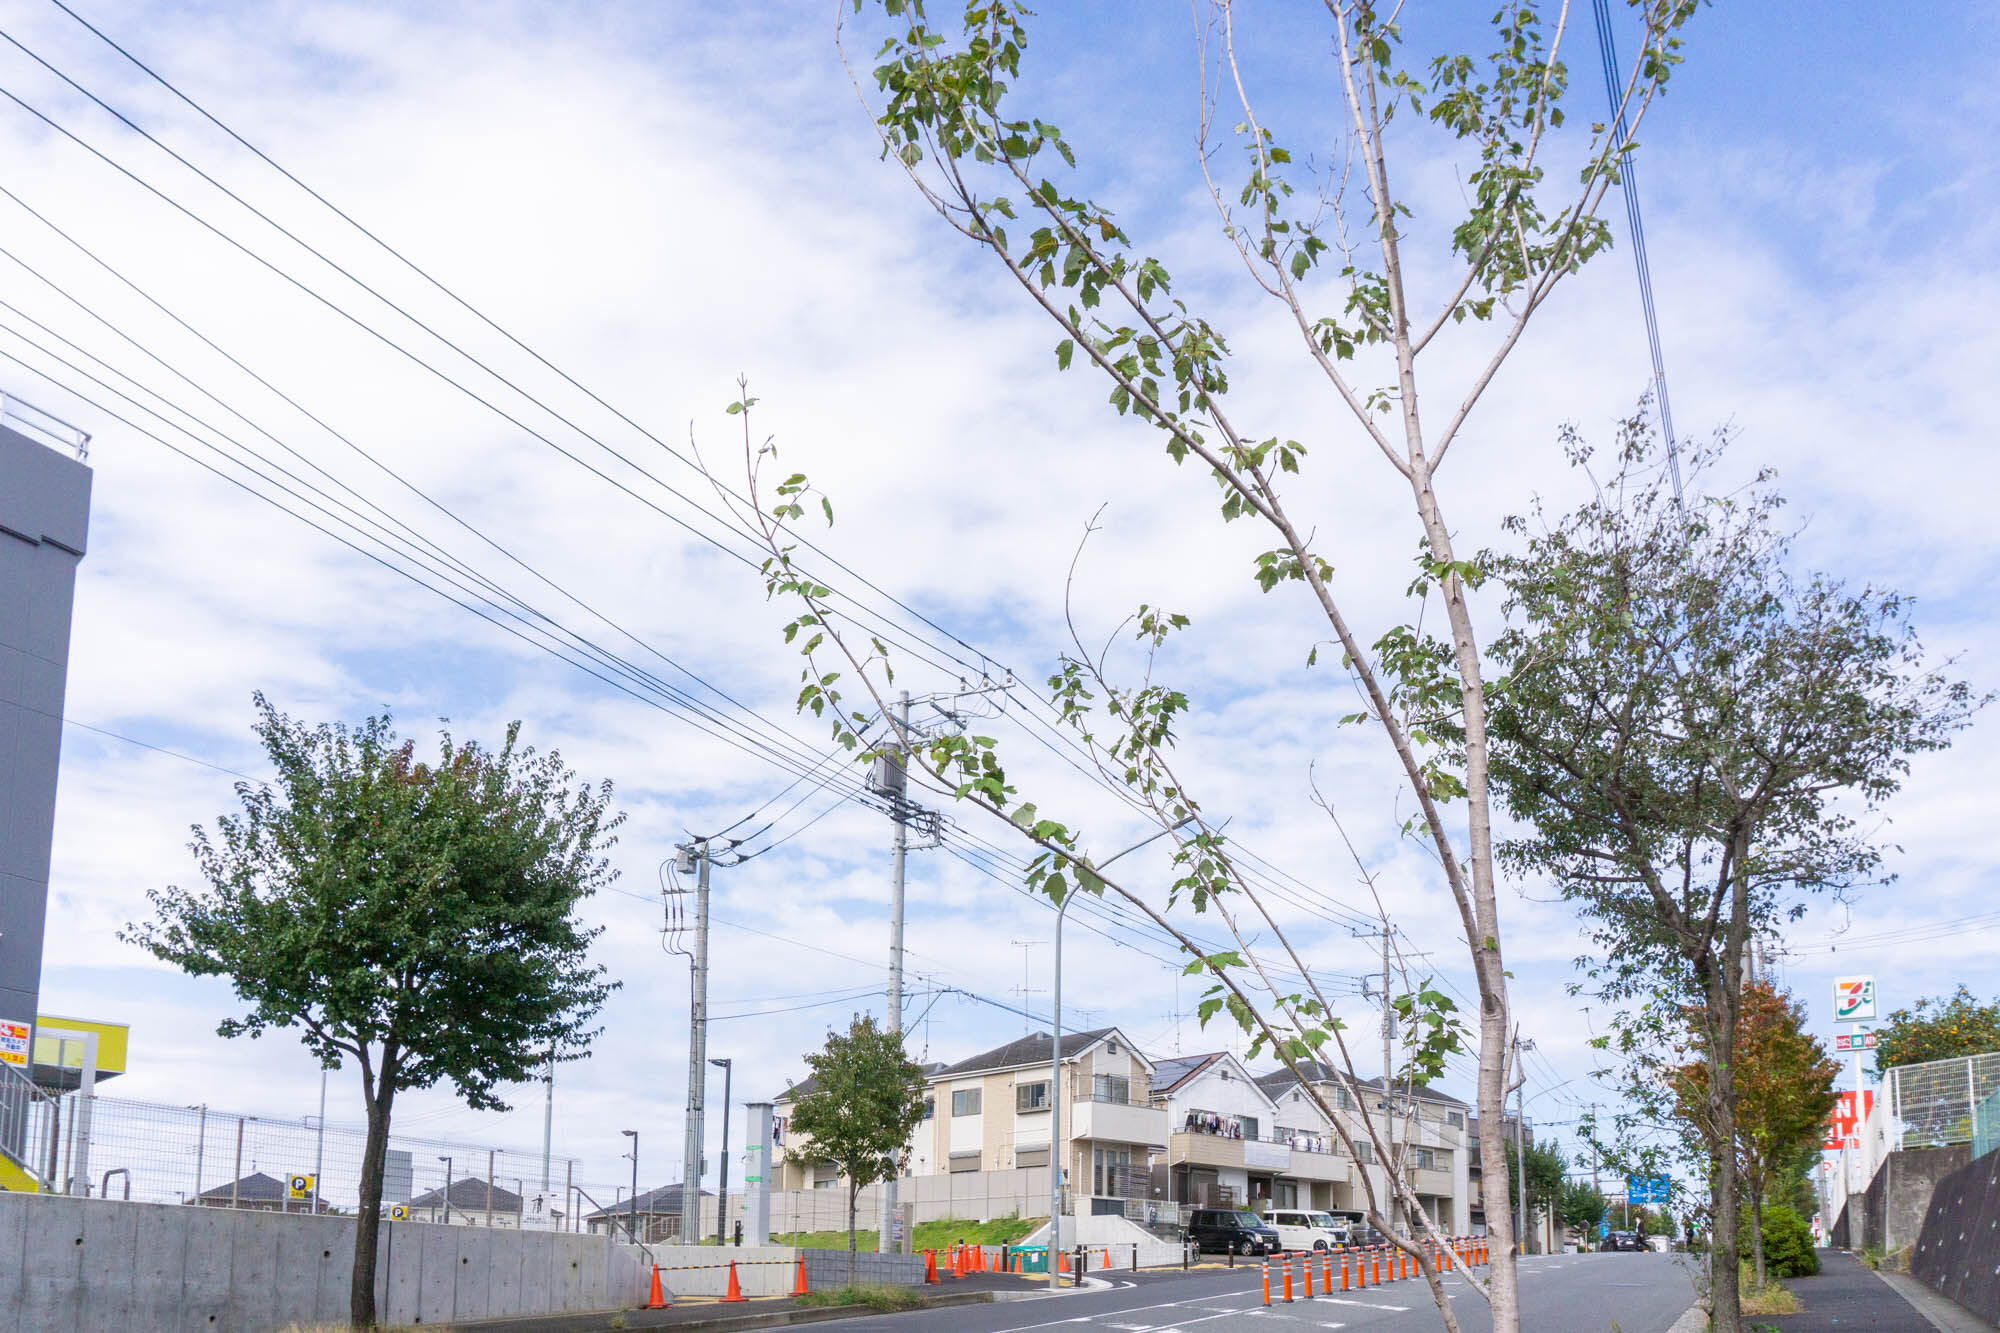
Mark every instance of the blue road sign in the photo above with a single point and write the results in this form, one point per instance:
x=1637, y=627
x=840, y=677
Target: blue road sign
x=1648, y=1189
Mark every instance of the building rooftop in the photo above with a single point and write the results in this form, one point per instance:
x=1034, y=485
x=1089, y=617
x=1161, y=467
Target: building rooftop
x=1028, y=1050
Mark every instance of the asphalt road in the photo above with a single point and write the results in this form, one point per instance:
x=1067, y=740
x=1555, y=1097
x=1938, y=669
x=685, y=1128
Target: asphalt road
x=1574, y=1293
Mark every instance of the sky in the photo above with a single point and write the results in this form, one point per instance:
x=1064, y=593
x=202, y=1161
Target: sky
x=658, y=199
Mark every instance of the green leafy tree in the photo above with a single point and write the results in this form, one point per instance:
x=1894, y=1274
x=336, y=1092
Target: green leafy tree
x=1695, y=737
x=1581, y=1207
x=416, y=918
x=1545, y=1177
x=1373, y=295
x=1938, y=1028
x=866, y=1099
x=1784, y=1091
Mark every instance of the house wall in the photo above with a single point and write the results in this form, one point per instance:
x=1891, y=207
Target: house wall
x=1228, y=1096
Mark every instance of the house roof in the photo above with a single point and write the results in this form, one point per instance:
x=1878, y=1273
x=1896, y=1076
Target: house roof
x=1029, y=1050
x=808, y=1083
x=468, y=1195
x=666, y=1199
x=1171, y=1073
x=1318, y=1071
x=253, y=1188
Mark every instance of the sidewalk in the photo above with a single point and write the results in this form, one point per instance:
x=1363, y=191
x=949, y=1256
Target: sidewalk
x=1847, y=1296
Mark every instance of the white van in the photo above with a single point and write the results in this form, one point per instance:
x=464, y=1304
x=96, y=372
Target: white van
x=1304, y=1229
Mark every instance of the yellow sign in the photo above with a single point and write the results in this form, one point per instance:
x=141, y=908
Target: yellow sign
x=13, y=1042
x=112, y=1042
x=399, y=1212
x=300, y=1187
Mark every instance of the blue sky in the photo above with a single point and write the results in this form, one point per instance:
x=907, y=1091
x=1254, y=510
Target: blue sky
x=661, y=198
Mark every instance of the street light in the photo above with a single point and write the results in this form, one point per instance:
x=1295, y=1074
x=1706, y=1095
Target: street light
x=447, y=1187
x=1057, y=1156
x=632, y=1213
x=722, y=1201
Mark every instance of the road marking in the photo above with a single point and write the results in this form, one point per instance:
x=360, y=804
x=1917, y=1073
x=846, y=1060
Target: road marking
x=1366, y=1305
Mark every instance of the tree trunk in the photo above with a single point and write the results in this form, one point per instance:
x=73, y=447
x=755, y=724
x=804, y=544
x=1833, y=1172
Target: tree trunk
x=368, y=1215
x=1725, y=987
x=853, y=1202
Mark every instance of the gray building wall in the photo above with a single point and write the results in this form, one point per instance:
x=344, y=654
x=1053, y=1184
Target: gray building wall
x=70, y=1265
x=44, y=520
x=1956, y=1254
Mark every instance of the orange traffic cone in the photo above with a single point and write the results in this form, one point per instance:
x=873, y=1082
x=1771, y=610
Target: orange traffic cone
x=930, y=1267
x=799, y=1286
x=735, y=1292
x=1062, y=1261
x=656, y=1299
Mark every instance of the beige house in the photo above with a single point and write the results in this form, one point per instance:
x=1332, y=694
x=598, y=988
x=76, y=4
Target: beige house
x=990, y=1114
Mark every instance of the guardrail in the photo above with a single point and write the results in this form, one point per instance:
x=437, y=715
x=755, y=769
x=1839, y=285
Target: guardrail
x=50, y=429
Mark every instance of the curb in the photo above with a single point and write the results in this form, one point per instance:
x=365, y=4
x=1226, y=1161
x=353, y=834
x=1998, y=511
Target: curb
x=636, y=1319
x=1940, y=1311
x=1695, y=1320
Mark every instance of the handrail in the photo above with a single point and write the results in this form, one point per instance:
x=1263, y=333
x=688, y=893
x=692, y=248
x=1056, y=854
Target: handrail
x=610, y=1216
x=19, y=1095
x=73, y=438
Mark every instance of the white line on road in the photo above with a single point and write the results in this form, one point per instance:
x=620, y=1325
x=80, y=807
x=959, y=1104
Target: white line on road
x=1366, y=1305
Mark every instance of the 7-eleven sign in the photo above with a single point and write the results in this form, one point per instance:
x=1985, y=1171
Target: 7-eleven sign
x=1854, y=1000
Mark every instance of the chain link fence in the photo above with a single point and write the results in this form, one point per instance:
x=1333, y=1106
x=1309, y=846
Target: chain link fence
x=157, y=1153
x=1942, y=1102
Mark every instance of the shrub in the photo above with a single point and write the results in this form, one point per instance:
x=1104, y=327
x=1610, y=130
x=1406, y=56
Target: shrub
x=1788, y=1247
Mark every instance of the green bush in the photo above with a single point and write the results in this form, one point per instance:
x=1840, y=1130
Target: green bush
x=1788, y=1247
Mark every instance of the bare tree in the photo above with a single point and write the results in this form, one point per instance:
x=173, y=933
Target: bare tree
x=948, y=115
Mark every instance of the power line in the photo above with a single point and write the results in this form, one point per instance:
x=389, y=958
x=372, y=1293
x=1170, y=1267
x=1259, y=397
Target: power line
x=1628, y=181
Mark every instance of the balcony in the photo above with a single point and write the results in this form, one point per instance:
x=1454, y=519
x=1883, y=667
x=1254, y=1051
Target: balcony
x=1110, y=1121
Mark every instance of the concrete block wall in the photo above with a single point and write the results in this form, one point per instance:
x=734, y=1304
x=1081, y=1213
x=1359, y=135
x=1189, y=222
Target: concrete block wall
x=1958, y=1250
x=81, y=1265
x=826, y=1269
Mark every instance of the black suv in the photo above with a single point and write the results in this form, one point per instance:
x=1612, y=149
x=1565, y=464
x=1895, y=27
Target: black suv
x=1625, y=1240
x=1220, y=1230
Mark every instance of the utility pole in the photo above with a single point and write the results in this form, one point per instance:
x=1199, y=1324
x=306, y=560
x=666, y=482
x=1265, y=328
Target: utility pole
x=722, y=1192
x=548, y=1121
x=1520, y=1145
x=900, y=764
x=694, y=856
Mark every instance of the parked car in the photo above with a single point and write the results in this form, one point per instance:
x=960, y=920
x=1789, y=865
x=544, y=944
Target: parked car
x=1624, y=1240
x=1305, y=1229
x=1221, y=1230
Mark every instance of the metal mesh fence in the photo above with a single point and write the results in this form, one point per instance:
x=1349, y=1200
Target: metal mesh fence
x=1935, y=1103
x=1986, y=1125
x=147, y=1151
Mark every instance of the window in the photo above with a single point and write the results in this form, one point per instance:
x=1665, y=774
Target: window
x=1456, y=1119
x=1426, y=1160
x=930, y=1107
x=1248, y=1123
x=965, y=1101
x=1111, y=1088
x=1340, y=1101
x=1364, y=1151
x=963, y=1161
x=1105, y=1163
x=1031, y=1157
x=1031, y=1096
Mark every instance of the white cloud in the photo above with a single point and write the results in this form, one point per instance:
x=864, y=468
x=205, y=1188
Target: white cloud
x=654, y=208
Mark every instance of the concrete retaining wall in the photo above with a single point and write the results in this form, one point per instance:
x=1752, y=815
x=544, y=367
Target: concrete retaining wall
x=1892, y=1212
x=1957, y=1254
x=83, y=1265
x=1119, y=1234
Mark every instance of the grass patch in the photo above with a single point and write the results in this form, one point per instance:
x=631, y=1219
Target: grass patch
x=1771, y=1298
x=875, y=1295
x=930, y=1235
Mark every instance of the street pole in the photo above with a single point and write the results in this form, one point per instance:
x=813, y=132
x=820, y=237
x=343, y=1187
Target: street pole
x=319, y=1148
x=722, y=1197
x=697, y=1058
x=887, y=1196
x=1520, y=1150
x=548, y=1120
x=1388, y=1089
x=632, y=1204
